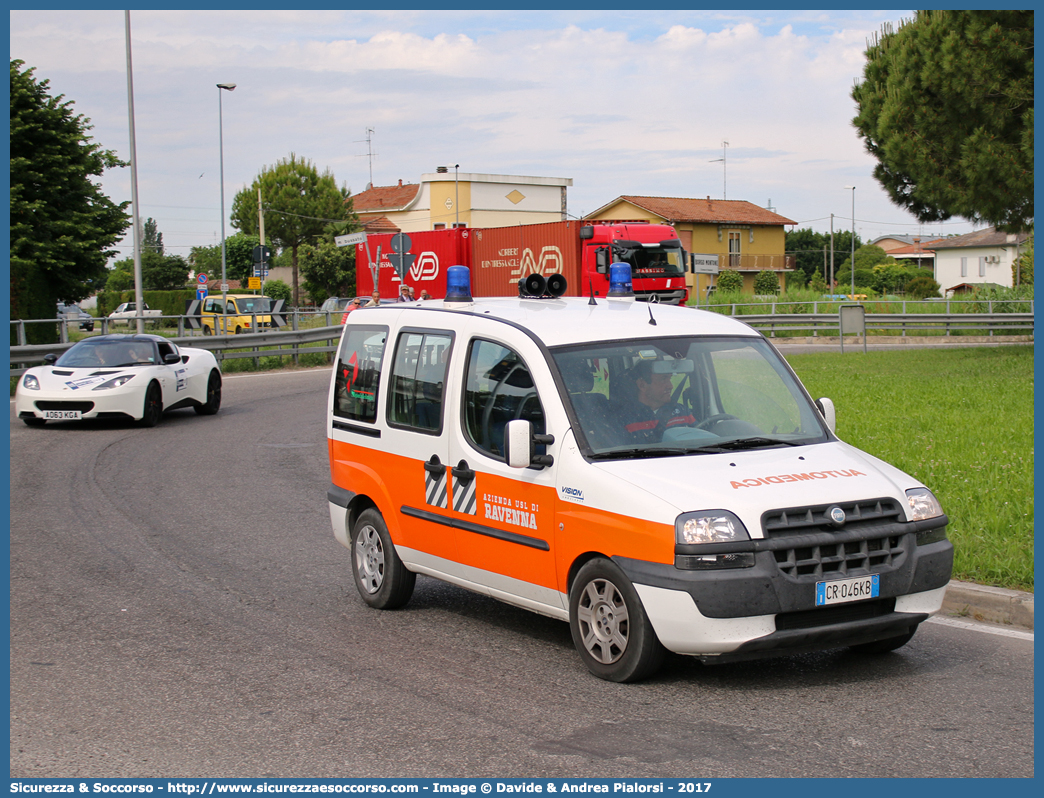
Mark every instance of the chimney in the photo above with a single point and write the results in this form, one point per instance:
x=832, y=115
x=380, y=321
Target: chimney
x=439, y=169
x=400, y=181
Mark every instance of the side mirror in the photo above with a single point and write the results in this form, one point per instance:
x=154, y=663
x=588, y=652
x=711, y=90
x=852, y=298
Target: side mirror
x=50, y=359
x=520, y=444
x=826, y=409
x=170, y=358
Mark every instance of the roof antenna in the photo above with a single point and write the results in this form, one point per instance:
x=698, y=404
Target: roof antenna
x=652, y=321
x=590, y=282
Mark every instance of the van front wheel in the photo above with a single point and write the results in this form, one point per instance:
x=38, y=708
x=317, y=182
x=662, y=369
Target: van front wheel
x=381, y=578
x=609, y=626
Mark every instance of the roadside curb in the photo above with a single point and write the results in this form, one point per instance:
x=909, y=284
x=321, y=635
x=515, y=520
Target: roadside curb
x=990, y=604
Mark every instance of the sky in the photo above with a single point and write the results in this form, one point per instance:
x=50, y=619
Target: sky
x=620, y=101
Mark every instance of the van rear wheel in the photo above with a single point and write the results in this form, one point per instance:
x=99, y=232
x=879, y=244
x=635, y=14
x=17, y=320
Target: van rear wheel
x=609, y=626
x=381, y=578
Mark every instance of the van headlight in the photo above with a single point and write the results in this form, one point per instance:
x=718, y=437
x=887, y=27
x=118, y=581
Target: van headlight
x=923, y=504
x=709, y=526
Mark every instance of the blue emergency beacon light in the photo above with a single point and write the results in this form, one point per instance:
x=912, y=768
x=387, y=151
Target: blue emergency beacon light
x=458, y=286
x=620, y=281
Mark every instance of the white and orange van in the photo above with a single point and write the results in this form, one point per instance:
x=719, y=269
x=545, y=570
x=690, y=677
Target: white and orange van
x=654, y=475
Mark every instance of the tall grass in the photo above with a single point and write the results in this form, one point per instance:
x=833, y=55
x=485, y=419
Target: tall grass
x=961, y=421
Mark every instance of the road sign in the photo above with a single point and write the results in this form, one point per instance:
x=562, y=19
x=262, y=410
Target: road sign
x=703, y=264
x=253, y=283
x=400, y=257
x=202, y=278
x=348, y=240
x=201, y=293
x=262, y=254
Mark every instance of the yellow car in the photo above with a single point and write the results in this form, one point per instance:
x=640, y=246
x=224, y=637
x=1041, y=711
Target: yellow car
x=236, y=313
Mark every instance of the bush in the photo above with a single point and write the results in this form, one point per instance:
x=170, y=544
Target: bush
x=766, y=283
x=277, y=289
x=922, y=287
x=729, y=281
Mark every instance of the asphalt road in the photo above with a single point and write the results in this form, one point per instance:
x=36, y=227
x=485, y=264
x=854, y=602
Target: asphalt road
x=179, y=608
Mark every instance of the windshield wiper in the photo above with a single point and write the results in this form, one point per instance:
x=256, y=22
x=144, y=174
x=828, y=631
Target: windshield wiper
x=754, y=442
x=640, y=453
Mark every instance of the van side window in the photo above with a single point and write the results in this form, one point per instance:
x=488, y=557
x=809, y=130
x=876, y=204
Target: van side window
x=419, y=380
x=499, y=388
x=358, y=373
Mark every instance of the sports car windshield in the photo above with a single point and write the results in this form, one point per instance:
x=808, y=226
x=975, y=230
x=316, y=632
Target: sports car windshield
x=678, y=396
x=108, y=354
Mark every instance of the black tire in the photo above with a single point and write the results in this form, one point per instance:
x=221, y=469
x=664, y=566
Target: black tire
x=382, y=580
x=207, y=330
x=609, y=626
x=239, y=330
x=34, y=421
x=886, y=645
x=153, y=410
x=213, y=403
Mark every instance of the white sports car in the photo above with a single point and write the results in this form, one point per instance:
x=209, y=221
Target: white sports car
x=119, y=376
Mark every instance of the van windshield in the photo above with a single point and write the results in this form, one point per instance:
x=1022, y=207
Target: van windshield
x=676, y=396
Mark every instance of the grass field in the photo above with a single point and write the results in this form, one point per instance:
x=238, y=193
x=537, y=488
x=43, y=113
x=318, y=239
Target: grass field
x=961, y=421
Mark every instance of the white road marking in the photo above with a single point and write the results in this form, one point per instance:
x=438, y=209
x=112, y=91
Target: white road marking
x=981, y=627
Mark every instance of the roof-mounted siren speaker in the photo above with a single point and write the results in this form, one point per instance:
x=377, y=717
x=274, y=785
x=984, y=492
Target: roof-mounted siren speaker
x=556, y=285
x=533, y=285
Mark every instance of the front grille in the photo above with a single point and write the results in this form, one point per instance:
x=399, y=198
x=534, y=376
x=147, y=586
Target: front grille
x=858, y=515
x=870, y=540
x=839, y=613
x=83, y=407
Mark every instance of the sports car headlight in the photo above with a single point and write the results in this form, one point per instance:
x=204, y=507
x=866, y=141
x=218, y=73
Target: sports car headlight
x=30, y=382
x=709, y=526
x=923, y=504
x=115, y=382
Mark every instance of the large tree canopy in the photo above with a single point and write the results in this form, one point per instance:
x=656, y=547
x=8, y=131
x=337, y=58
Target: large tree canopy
x=62, y=225
x=298, y=204
x=946, y=108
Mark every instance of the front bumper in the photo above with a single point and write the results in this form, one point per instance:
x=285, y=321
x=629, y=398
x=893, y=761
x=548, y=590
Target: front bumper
x=113, y=403
x=762, y=610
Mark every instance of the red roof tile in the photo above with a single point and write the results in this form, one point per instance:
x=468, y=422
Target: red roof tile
x=385, y=198
x=682, y=209
x=379, y=225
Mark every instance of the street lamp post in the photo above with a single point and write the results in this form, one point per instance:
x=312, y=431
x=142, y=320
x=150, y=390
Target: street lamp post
x=853, y=241
x=221, y=155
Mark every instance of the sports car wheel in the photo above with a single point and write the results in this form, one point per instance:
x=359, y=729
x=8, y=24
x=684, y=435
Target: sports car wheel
x=609, y=626
x=210, y=407
x=380, y=576
x=153, y=409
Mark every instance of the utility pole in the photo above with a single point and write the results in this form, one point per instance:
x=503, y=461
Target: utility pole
x=724, y=170
x=369, y=150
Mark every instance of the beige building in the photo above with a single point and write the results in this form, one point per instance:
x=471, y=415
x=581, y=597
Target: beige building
x=746, y=238
x=444, y=198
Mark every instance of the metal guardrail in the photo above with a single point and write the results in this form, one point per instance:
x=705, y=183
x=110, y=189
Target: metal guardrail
x=816, y=324
x=289, y=341
x=286, y=342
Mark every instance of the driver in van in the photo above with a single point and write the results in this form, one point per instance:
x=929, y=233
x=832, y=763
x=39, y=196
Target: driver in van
x=653, y=412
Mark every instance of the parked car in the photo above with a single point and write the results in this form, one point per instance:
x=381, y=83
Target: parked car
x=126, y=312
x=74, y=313
x=335, y=304
x=237, y=315
x=135, y=377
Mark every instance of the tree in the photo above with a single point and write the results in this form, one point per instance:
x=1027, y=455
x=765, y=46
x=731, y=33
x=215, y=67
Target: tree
x=329, y=270
x=298, y=204
x=163, y=272
x=239, y=257
x=1022, y=269
x=151, y=239
x=808, y=248
x=62, y=225
x=921, y=287
x=946, y=108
